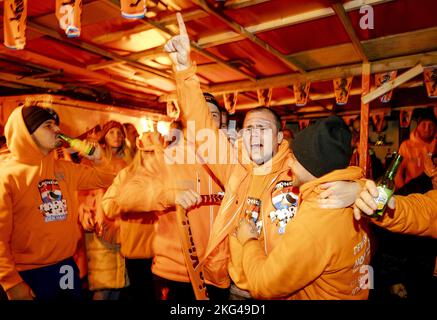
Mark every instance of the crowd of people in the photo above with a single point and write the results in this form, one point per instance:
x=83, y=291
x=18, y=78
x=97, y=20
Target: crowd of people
x=106, y=226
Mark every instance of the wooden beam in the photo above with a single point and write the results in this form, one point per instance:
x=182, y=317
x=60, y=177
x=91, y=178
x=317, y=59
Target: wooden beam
x=364, y=119
x=294, y=65
x=327, y=73
x=239, y=4
x=96, y=50
x=345, y=21
x=29, y=81
x=194, y=46
x=390, y=85
x=281, y=22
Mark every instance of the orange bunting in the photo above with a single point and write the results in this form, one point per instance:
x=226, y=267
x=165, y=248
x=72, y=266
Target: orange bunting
x=14, y=23
x=430, y=75
x=342, y=87
x=301, y=93
x=380, y=79
x=68, y=13
x=133, y=9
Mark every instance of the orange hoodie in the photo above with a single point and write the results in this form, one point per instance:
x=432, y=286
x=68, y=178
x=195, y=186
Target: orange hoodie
x=414, y=214
x=250, y=189
x=414, y=151
x=321, y=255
x=154, y=190
x=137, y=229
x=38, y=205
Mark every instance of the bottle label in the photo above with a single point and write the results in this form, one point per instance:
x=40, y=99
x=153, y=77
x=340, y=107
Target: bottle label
x=383, y=196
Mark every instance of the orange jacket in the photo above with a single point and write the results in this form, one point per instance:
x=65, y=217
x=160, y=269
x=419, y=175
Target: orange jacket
x=414, y=214
x=249, y=187
x=414, y=152
x=153, y=190
x=321, y=255
x=137, y=229
x=38, y=204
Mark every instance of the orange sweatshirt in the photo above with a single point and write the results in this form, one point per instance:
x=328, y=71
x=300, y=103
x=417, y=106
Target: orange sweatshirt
x=137, y=229
x=414, y=151
x=264, y=192
x=414, y=214
x=154, y=190
x=38, y=205
x=321, y=255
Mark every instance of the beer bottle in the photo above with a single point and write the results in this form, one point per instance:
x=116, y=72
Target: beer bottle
x=386, y=186
x=78, y=145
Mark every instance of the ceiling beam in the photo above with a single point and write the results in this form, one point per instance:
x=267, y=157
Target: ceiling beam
x=325, y=74
x=281, y=22
x=348, y=27
x=315, y=97
x=96, y=50
x=194, y=46
x=29, y=81
x=294, y=65
x=390, y=85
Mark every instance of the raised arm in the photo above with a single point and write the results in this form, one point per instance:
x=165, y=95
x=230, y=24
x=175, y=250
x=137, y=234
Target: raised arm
x=195, y=114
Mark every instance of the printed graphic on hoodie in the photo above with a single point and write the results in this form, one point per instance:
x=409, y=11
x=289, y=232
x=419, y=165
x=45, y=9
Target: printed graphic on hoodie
x=252, y=212
x=53, y=208
x=284, y=199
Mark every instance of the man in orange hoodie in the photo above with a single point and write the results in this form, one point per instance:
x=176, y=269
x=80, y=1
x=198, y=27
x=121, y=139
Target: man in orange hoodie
x=39, y=229
x=153, y=190
x=323, y=253
x=416, y=150
x=255, y=175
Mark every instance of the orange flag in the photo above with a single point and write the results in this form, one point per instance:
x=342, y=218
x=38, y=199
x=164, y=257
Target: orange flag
x=133, y=9
x=14, y=23
x=342, y=87
x=230, y=101
x=380, y=79
x=430, y=75
x=405, y=118
x=301, y=93
x=68, y=13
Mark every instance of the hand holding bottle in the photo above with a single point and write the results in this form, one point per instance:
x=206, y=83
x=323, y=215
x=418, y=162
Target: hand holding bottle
x=366, y=201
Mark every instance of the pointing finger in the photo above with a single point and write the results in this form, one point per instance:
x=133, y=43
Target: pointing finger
x=182, y=28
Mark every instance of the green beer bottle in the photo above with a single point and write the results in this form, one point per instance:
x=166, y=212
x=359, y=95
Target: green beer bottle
x=386, y=186
x=78, y=145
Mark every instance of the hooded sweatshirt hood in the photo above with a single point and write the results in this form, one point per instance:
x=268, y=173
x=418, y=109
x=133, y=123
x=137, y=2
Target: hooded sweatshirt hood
x=20, y=143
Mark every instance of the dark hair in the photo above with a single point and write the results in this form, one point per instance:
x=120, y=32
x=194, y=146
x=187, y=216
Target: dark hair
x=271, y=111
x=211, y=99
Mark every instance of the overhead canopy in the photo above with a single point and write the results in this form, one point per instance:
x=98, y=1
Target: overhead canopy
x=246, y=47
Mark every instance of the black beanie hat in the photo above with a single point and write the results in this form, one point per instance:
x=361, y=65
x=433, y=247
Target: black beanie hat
x=34, y=116
x=324, y=146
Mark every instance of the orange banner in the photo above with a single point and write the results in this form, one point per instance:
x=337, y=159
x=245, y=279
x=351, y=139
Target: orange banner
x=405, y=118
x=378, y=121
x=14, y=23
x=301, y=93
x=380, y=79
x=133, y=9
x=304, y=123
x=68, y=13
x=430, y=75
x=342, y=88
x=264, y=97
x=230, y=101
